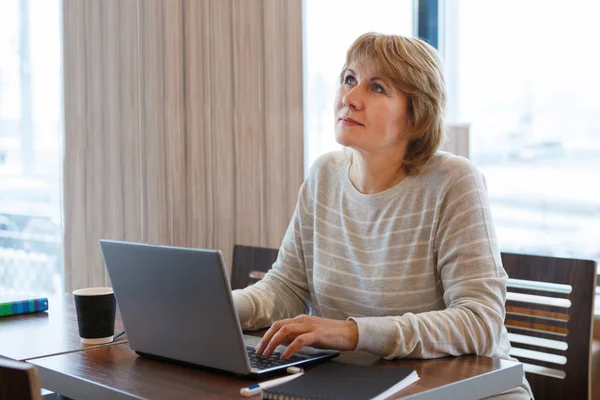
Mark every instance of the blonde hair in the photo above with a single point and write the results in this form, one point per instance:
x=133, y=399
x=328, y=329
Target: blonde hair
x=414, y=68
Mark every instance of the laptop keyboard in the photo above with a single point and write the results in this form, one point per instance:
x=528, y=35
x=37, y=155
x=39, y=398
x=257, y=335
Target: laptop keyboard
x=261, y=362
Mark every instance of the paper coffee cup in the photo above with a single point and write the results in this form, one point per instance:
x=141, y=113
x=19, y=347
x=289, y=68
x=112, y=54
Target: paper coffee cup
x=96, y=308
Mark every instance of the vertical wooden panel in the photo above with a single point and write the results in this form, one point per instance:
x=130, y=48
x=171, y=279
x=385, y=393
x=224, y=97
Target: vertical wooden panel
x=96, y=197
x=197, y=105
x=174, y=129
x=74, y=162
x=275, y=73
x=183, y=125
x=129, y=122
x=248, y=69
x=294, y=146
x=157, y=211
x=457, y=140
x=220, y=84
x=111, y=217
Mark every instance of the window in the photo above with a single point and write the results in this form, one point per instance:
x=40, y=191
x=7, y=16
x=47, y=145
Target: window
x=524, y=75
x=30, y=135
x=330, y=27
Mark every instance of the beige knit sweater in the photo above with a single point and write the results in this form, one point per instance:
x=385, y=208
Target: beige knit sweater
x=416, y=266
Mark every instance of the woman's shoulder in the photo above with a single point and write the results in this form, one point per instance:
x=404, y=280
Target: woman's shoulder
x=324, y=174
x=447, y=167
x=327, y=165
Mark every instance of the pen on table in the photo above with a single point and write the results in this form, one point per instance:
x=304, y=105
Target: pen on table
x=118, y=335
x=257, y=388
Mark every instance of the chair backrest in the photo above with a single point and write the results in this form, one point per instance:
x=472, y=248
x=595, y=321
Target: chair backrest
x=18, y=381
x=250, y=264
x=549, y=314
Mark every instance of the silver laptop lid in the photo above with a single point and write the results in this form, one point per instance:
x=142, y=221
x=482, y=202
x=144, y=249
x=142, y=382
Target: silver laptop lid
x=176, y=303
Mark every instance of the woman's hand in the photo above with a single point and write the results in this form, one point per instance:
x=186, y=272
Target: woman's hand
x=305, y=330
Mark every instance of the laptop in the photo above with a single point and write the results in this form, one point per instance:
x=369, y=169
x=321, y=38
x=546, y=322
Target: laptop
x=176, y=305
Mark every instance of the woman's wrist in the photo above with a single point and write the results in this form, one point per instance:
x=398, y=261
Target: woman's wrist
x=352, y=328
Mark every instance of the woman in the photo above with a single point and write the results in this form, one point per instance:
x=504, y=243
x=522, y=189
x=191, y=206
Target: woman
x=391, y=247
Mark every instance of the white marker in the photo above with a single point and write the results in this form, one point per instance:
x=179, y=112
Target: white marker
x=257, y=388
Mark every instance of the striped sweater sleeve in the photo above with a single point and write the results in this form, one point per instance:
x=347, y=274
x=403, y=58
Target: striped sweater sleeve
x=473, y=280
x=283, y=292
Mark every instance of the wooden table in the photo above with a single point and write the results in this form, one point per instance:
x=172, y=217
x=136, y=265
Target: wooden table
x=113, y=371
x=29, y=336
x=116, y=372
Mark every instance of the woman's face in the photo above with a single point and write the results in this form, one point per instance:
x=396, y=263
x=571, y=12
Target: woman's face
x=370, y=115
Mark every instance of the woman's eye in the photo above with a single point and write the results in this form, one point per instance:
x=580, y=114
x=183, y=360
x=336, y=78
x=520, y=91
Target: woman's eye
x=378, y=88
x=349, y=80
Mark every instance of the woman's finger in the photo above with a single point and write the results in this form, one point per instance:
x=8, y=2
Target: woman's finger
x=286, y=334
x=260, y=347
x=267, y=337
x=269, y=334
x=305, y=339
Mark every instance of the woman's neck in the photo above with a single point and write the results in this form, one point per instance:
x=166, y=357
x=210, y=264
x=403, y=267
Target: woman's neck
x=371, y=175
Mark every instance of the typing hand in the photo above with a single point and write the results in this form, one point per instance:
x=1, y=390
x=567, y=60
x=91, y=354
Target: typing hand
x=305, y=330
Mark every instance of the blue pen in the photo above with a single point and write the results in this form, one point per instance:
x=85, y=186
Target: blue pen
x=257, y=388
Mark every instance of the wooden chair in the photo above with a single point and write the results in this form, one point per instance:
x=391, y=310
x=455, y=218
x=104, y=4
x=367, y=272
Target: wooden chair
x=549, y=314
x=250, y=264
x=18, y=381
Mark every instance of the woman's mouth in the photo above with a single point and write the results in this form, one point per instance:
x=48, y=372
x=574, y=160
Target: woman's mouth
x=350, y=122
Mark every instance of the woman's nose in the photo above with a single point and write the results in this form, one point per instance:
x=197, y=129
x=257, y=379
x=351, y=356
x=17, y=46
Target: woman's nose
x=354, y=98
